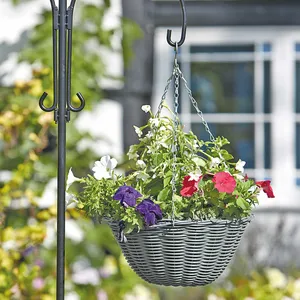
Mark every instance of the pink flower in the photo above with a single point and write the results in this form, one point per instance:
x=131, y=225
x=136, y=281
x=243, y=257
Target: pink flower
x=266, y=187
x=224, y=182
x=189, y=186
x=38, y=283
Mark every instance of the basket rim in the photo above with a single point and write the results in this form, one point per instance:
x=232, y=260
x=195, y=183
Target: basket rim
x=171, y=223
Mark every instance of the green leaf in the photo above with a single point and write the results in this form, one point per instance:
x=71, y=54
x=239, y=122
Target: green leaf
x=154, y=186
x=199, y=161
x=164, y=194
x=242, y=203
x=168, y=178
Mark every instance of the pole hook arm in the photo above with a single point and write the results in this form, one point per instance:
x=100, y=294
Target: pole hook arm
x=183, y=30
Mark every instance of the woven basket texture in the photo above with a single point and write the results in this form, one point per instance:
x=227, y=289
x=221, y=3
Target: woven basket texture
x=186, y=254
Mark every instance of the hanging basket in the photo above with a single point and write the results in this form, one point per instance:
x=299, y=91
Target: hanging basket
x=173, y=247
x=187, y=253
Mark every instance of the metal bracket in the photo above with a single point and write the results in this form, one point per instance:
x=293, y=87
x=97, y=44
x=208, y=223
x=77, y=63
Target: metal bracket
x=69, y=18
x=67, y=115
x=55, y=18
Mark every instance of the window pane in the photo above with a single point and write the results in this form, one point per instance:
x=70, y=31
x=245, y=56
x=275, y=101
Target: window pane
x=267, y=47
x=267, y=87
x=223, y=87
x=267, y=144
x=297, y=47
x=222, y=49
x=241, y=137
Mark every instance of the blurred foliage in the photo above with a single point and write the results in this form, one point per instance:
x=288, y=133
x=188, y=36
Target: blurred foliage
x=268, y=284
x=90, y=40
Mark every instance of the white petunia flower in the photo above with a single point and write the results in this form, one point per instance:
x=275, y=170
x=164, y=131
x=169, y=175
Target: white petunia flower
x=131, y=153
x=195, y=144
x=240, y=165
x=71, y=179
x=164, y=145
x=195, y=176
x=141, y=164
x=154, y=122
x=142, y=175
x=252, y=189
x=104, y=167
x=70, y=199
x=215, y=161
x=238, y=176
x=149, y=134
x=138, y=131
x=146, y=108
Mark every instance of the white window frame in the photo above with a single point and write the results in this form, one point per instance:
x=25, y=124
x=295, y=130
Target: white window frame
x=283, y=116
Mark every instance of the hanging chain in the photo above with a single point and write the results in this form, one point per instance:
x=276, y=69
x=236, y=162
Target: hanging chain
x=177, y=75
x=163, y=98
x=176, y=125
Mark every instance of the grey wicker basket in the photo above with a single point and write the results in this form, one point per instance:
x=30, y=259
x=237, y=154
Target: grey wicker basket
x=184, y=254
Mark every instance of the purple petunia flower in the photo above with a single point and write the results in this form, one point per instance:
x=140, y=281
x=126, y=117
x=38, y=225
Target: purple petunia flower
x=150, y=211
x=127, y=195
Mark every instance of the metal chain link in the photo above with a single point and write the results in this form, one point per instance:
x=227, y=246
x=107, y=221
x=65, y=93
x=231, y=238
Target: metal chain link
x=175, y=140
x=163, y=97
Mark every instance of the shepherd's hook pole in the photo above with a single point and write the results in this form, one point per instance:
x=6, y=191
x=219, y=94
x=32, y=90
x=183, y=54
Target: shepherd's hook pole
x=62, y=24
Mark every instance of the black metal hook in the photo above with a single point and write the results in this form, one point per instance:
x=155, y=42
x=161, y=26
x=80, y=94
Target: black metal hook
x=183, y=30
x=69, y=60
x=54, y=37
x=45, y=108
x=55, y=28
x=80, y=107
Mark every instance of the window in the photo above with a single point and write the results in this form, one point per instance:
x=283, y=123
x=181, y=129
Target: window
x=231, y=84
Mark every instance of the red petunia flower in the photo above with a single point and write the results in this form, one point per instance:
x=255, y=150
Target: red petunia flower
x=189, y=187
x=224, y=182
x=266, y=187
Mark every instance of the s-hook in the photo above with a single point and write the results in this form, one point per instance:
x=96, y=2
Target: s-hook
x=55, y=28
x=183, y=30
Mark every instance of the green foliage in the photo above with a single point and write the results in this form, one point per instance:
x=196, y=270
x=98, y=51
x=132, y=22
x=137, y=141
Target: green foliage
x=89, y=39
x=16, y=2
x=154, y=168
x=270, y=284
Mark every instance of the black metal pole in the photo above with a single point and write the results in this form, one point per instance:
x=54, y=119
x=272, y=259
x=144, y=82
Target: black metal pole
x=60, y=268
x=62, y=22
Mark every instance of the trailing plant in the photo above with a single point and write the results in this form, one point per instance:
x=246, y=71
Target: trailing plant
x=173, y=174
